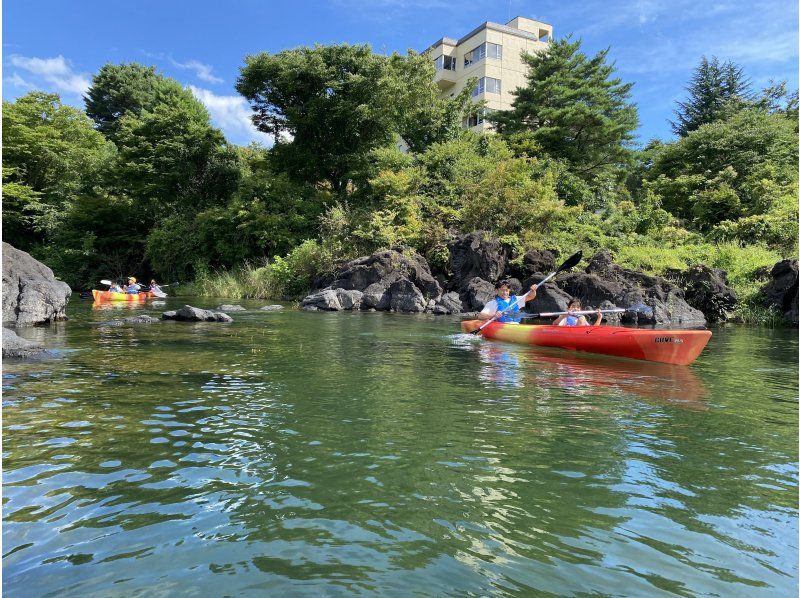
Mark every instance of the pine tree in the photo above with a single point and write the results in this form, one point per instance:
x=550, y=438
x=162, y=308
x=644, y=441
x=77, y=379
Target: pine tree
x=712, y=90
x=575, y=108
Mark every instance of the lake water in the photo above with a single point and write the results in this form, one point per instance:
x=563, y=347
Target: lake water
x=386, y=454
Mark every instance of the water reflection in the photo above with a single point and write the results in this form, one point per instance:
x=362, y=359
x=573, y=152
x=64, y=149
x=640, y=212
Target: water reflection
x=513, y=366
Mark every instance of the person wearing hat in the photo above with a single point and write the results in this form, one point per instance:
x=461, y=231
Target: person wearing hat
x=132, y=288
x=504, y=301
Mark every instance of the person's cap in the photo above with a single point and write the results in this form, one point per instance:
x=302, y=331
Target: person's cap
x=131, y=278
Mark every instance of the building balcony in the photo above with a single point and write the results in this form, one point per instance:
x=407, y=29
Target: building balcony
x=445, y=79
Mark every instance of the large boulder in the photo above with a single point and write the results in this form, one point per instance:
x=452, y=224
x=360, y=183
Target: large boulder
x=393, y=279
x=194, y=314
x=706, y=289
x=781, y=292
x=476, y=255
x=478, y=293
x=16, y=347
x=449, y=303
x=605, y=281
x=31, y=294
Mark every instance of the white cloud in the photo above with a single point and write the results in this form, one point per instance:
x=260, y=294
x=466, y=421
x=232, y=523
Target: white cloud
x=55, y=71
x=17, y=81
x=203, y=71
x=232, y=115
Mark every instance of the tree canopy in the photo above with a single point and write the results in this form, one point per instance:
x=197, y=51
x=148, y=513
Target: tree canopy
x=575, y=108
x=712, y=87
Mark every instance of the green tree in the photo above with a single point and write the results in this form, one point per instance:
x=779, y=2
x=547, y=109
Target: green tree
x=172, y=158
x=713, y=87
x=574, y=106
x=329, y=107
x=119, y=89
x=51, y=154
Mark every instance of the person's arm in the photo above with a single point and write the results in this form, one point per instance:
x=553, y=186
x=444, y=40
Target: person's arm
x=489, y=310
x=599, y=318
x=529, y=296
x=559, y=319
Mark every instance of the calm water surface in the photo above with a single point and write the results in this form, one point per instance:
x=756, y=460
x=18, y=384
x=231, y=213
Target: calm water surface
x=385, y=454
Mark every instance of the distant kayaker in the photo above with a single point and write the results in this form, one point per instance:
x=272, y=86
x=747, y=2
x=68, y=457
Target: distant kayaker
x=504, y=301
x=570, y=319
x=154, y=288
x=132, y=288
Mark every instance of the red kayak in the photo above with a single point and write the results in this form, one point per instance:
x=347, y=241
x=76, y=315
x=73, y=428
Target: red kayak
x=679, y=347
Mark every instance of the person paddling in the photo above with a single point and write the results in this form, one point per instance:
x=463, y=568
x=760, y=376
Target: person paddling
x=504, y=301
x=155, y=289
x=570, y=319
x=132, y=288
x=114, y=288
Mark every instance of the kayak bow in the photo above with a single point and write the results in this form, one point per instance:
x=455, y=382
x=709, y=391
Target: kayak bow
x=679, y=347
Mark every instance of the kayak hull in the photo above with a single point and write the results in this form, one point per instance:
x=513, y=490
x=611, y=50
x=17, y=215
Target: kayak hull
x=103, y=296
x=678, y=347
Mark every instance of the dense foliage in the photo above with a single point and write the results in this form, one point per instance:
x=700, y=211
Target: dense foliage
x=367, y=156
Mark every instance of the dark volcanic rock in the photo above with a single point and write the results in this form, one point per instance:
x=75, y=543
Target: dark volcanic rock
x=548, y=296
x=449, y=303
x=478, y=293
x=538, y=262
x=16, y=347
x=606, y=281
x=781, y=292
x=385, y=280
x=31, y=294
x=193, y=314
x=476, y=255
x=706, y=289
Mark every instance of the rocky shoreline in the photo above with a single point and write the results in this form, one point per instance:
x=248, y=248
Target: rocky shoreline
x=400, y=280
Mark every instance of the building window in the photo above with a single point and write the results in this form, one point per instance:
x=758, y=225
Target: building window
x=486, y=85
x=475, y=119
x=483, y=51
x=446, y=63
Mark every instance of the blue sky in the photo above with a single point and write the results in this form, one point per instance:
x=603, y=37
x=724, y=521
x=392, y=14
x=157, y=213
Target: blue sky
x=58, y=45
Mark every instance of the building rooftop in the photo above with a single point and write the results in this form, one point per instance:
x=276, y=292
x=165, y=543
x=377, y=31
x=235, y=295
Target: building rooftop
x=449, y=41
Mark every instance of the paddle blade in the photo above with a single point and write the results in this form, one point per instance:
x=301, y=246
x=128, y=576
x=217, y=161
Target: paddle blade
x=470, y=326
x=570, y=262
x=106, y=282
x=641, y=309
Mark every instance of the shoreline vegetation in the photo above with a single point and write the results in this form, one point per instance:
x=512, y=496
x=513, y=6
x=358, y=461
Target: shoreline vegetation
x=141, y=182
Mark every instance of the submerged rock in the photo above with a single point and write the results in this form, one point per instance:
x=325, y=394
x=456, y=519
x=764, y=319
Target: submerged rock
x=194, y=314
x=227, y=307
x=271, y=308
x=140, y=319
x=31, y=293
x=16, y=347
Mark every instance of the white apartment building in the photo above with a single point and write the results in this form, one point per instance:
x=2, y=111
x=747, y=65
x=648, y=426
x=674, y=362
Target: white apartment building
x=492, y=53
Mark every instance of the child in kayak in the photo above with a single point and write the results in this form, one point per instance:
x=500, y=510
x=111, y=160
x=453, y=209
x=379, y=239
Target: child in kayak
x=114, y=288
x=573, y=320
x=504, y=301
x=132, y=288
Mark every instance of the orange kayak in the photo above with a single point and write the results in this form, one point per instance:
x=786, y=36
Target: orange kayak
x=679, y=347
x=109, y=296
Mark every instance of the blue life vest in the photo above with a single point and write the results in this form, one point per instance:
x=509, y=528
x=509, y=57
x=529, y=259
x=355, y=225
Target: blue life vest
x=571, y=320
x=509, y=304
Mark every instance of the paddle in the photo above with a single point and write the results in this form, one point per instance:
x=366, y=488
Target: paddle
x=639, y=308
x=570, y=262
